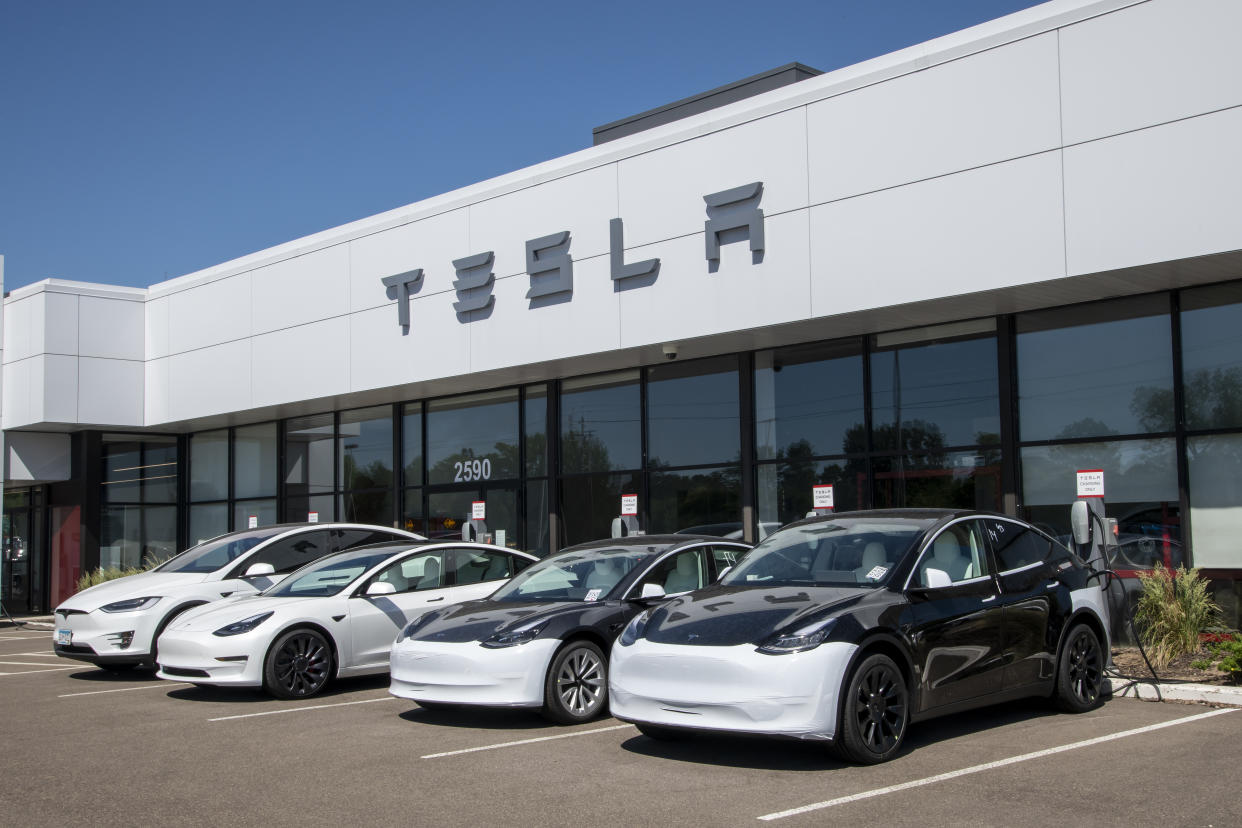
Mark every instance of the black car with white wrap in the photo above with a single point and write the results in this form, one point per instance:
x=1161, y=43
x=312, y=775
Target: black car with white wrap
x=847, y=628
x=542, y=640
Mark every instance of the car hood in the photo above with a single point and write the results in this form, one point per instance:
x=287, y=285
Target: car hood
x=142, y=585
x=213, y=616
x=726, y=616
x=480, y=620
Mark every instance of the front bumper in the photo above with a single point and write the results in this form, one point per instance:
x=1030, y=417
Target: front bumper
x=105, y=638
x=468, y=673
x=729, y=688
x=234, y=661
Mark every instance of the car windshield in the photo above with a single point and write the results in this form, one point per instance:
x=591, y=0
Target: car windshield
x=216, y=553
x=588, y=575
x=841, y=552
x=330, y=575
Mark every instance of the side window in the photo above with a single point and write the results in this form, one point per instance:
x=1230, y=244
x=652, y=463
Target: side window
x=957, y=554
x=473, y=566
x=1016, y=546
x=288, y=554
x=414, y=573
x=349, y=538
x=681, y=572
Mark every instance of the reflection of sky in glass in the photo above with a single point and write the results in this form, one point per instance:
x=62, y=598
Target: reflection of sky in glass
x=693, y=420
x=952, y=385
x=1091, y=372
x=813, y=401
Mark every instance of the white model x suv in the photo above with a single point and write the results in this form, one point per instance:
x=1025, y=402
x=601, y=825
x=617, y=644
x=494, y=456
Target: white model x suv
x=115, y=624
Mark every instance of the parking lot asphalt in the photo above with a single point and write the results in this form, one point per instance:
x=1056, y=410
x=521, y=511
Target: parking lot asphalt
x=83, y=745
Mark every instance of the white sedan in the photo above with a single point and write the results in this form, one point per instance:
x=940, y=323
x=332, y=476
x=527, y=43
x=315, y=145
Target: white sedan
x=336, y=617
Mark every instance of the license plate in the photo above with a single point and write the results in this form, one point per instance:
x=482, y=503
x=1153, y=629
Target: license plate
x=64, y=637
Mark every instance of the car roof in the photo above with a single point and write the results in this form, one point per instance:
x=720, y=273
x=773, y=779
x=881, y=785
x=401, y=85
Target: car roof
x=663, y=541
x=935, y=515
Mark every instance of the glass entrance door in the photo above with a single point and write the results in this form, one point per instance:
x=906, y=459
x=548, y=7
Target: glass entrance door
x=448, y=510
x=18, y=551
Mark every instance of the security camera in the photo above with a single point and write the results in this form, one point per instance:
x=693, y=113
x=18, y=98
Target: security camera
x=670, y=351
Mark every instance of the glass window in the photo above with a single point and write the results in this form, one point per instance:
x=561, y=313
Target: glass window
x=950, y=480
x=364, y=440
x=473, y=566
x=1216, y=500
x=681, y=572
x=208, y=520
x=413, y=518
x=412, y=443
x=209, y=465
x=472, y=438
x=349, y=538
x=1096, y=370
x=309, y=460
x=218, y=552
x=1140, y=481
x=139, y=470
x=314, y=509
x=600, y=423
x=698, y=501
x=809, y=400
x=414, y=573
x=692, y=413
x=1212, y=357
x=250, y=514
x=330, y=576
x=957, y=554
x=137, y=536
x=254, y=460
x=288, y=554
x=537, y=509
x=1016, y=546
x=785, y=489
x=373, y=507
x=926, y=397
x=588, y=504
x=536, y=413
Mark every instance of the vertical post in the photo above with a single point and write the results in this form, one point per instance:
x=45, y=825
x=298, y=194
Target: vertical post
x=746, y=420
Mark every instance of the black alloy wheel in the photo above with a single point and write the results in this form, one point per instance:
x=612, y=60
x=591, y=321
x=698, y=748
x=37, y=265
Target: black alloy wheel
x=876, y=711
x=1080, y=674
x=298, y=665
x=576, y=688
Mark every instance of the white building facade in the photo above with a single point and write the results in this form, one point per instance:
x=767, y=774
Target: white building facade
x=949, y=276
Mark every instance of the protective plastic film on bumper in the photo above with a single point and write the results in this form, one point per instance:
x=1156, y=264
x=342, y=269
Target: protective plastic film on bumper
x=467, y=673
x=729, y=688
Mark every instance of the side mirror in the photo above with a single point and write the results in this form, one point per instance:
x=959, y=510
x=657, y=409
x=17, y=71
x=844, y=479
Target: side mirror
x=937, y=578
x=381, y=588
x=1080, y=522
x=723, y=573
x=652, y=591
x=258, y=569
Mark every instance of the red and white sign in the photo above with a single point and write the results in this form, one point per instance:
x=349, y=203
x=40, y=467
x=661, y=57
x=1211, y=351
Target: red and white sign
x=252, y=522
x=1090, y=482
x=478, y=509
x=821, y=497
x=312, y=517
x=629, y=505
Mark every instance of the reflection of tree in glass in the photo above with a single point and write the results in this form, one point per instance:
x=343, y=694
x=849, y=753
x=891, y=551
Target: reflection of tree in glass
x=375, y=474
x=1213, y=400
x=686, y=499
x=502, y=459
x=581, y=450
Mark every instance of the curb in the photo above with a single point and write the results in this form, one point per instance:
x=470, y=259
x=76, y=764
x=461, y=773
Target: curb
x=1149, y=691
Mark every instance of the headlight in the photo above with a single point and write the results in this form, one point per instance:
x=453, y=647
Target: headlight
x=131, y=604
x=635, y=629
x=243, y=626
x=516, y=636
x=801, y=639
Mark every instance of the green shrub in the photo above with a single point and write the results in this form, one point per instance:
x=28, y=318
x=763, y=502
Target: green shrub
x=1227, y=656
x=1173, y=608
x=100, y=575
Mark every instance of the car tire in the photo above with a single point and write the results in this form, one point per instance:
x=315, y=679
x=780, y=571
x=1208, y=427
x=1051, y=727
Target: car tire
x=663, y=734
x=298, y=664
x=875, y=712
x=1080, y=671
x=576, y=687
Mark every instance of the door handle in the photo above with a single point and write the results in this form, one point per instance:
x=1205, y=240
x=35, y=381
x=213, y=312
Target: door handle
x=433, y=600
x=989, y=598
x=1052, y=585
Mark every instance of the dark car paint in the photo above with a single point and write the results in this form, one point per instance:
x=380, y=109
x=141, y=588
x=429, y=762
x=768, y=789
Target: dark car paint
x=962, y=646
x=601, y=620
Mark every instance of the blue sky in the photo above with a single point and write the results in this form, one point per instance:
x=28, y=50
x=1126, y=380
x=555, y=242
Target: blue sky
x=140, y=141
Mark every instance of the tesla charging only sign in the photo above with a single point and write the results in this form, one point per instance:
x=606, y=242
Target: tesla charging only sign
x=478, y=510
x=629, y=504
x=1090, y=482
x=821, y=497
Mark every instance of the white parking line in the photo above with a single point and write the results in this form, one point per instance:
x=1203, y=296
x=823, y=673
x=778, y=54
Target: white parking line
x=524, y=742
x=44, y=670
x=4, y=638
x=160, y=685
x=24, y=663
x=40, y=654
x=1013, y=760
x=296, y=709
